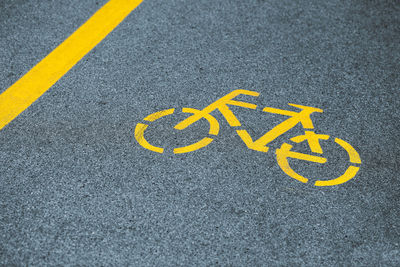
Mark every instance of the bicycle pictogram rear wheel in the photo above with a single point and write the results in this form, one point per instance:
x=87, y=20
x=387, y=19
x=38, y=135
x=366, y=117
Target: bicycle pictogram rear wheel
x=141, y=128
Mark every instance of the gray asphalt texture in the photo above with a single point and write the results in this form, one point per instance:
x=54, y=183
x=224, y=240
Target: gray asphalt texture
x=77, y=189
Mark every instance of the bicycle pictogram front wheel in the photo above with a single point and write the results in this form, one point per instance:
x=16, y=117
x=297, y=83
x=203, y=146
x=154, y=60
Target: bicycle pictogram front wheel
x=285, y=152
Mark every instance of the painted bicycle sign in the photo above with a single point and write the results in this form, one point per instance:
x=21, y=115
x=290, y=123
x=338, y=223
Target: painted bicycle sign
x=283, y=153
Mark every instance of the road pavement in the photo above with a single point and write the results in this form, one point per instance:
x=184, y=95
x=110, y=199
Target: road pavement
x=76, y=188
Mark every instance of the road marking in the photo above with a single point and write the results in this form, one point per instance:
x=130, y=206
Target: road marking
x=283, y=153
x=353, y=154
x=349, y=174
x=141, y=128
x=47, y=72
x=159, y=114
x=139, y=135
x=202, y=143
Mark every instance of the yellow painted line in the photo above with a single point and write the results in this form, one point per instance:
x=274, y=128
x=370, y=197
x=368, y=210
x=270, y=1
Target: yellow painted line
x=249, y=141
x=214, y=125
x=353, y=154
x=350, y=173
x=221, y=105
x=159, y=114
x=202, y=143
x=47, y=72
x=139, y=135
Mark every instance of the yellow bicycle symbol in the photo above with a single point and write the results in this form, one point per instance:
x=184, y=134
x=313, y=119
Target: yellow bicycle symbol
x=282, y=154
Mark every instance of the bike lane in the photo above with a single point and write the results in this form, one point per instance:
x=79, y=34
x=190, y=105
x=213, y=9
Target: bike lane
x=77, y=188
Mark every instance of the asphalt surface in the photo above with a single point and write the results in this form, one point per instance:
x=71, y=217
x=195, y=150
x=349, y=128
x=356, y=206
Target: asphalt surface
x=77, y=189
